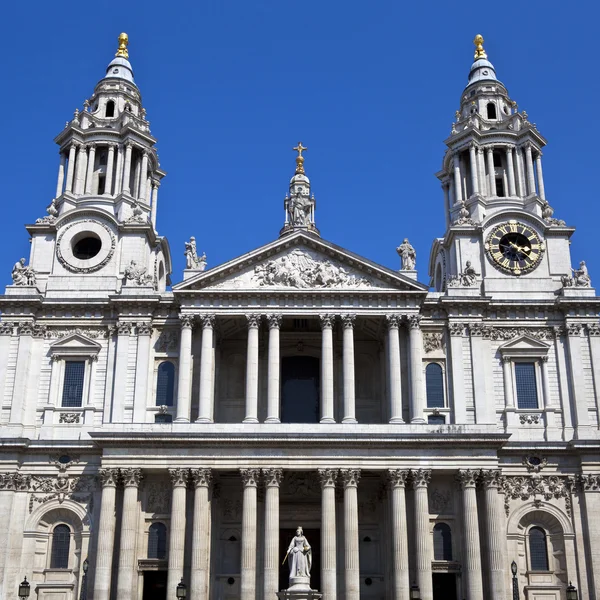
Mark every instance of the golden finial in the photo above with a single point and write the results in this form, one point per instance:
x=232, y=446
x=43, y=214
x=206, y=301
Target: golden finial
x=479, y=51
x=299, y=159
x=123, y=42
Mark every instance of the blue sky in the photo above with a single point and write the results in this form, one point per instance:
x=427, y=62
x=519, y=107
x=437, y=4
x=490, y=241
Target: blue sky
x=370, y=87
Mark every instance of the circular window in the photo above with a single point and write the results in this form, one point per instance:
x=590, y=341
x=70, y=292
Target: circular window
x=368, y=581
x=87, y=246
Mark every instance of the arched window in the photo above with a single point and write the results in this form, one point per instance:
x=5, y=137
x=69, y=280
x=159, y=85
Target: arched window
x=491, y=110
x=157, y=541
x=165, y=384
x=434, y=381
x=110, y=109
x=538, y=550
x=442, y=542
x=61, y=542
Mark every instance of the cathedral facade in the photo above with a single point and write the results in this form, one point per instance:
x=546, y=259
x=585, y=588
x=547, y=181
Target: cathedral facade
x=436, y=440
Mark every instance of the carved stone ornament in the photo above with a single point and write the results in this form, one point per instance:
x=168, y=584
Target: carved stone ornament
x=466, y=278
x=509, y=333
x=328, y=477
x=348, y=321
x=589, y=483
x=32, y=328
x=50, y=218
x=547, y=212
x=134, y=274
x=60, y=248
x=538, y=487
x=179, y=477
x=299, y=269
x=250, y=477
x=439, y=500
x=593, y=329
x=397, y=477
x=144, y=328
x=574, y=329
x=274, y=321
x=186, y=321
x=15, y=481
x=192, y=260
x=158, y=498
x=350, y=477
x=272, y=477
x=60, y=487
x=299, y=484
x=477, y=329
x=326, y=321
x=69, y=417
x=6, y=328
x=492, y=478
x=22, y=274
x=137, y=215
x=464, y=216
x=534, y=463
x=467, y=477
x=131, y=477
x=420, y=477
x=253, y=321
x=163, y=409
x=530, y=419
x=201, y=477
x=393, y=321
x=168, y=341
x=456, y=329
x=93, y=334
x=414, y=321
x=432, y=342
x=109, y=477
x=581, y=277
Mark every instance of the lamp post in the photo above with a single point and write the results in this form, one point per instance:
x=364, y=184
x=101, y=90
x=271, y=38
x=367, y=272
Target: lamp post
x=513, y=569
x=83, y=593
x=181, y=590
x=415, y=592
x=24, y=589
x=572, y=592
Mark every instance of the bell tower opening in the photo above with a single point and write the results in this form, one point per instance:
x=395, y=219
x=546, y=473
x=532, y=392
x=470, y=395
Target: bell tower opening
x=491, y=111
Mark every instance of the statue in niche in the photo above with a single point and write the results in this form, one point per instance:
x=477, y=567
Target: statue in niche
x=22, y=274
x=408, y=255
x=299, y=557
x=192, y=260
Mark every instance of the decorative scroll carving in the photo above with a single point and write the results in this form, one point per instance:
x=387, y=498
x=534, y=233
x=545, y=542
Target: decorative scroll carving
x=137, y=214
x=547, y=212
x=179, y=477
x=432, y=341
x=69, y=417
x=60, y=487
x=272, y=477
x=397, y=477
x=250, y=477
x=168, y=341
x=60, y=332
x=6, y=328
x=508, y=333
x=201, y=477
x=530, y=419
x=538, y=487
x=420, y=477
x=328, y=477
x=350, y=477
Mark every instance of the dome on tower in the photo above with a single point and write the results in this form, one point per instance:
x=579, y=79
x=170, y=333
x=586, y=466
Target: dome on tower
x=481, y=69
x=120, y=67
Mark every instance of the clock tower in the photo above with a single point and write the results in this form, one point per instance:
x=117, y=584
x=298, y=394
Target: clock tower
x=501, y=239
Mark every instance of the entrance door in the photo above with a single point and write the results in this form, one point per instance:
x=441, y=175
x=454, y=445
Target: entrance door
x=300, y=389
x=314, y=539
x=444, y=586
x=155, y=585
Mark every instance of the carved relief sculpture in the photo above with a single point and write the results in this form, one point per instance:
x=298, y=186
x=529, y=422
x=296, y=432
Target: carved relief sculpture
x=136, y=274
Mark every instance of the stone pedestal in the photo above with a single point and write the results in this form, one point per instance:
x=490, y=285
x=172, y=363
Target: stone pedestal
x=299, y=590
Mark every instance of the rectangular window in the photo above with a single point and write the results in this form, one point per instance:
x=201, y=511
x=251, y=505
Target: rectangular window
x=527, y=396
x=72, y=395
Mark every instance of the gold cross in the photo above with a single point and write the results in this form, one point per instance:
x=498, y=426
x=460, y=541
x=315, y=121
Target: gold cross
x=299, y=148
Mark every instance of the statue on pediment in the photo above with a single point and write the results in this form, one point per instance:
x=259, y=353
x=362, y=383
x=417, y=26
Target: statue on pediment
x=408, y=255
x=192, y=260
x=23, y=274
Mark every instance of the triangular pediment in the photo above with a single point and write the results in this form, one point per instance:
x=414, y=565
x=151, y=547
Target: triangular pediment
x=300, y=262
x=524, y=345
x=75, y=344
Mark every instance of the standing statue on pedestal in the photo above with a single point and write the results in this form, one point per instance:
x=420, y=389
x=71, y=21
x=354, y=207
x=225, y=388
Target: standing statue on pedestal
x=408, y=255
x=192, y=260
x=22, y=274
x=299, y=555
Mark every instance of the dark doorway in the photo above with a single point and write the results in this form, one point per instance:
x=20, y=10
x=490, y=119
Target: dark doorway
x=314, y=539
x=300, y=389
x=155, y=585
x=444, y=586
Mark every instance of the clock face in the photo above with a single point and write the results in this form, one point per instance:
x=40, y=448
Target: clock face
x=514, y=248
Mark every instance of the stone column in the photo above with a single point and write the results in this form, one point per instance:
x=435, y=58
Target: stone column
x=121, y=361
x=482, y=179
x=495, y=524
x=530, y=175
x=273, y=401
x=417, y=400
x=127, y=168
x=129, y=525
x=140, y=400
x=447, y=205
x=200, y=567
x=328, y=479
x=90, y=168
x=474, y=168
x=249, y=520
x=143, y=176
x=61, y=174
x=207, y=367
x=272, y=479
x=397, y=482
x=581, y=417
x=185, y=367
x=491, y=171
x=458, y=196
x=350, y=478
x=108, y=182
x=81, y=167
x=179, y=479
x=456, y=331
x=252, y=370
x=106, y=534
x=590, y=486
x=119, y=171
x=393, y=325
x=420, y=480
x=155, y=186
x=511, y=171
x=467, y=479
x=348, y=369
x=71, y=168
x=327, y=368
x=540, y=176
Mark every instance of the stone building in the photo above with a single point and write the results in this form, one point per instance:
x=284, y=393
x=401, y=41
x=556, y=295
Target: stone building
x=152, y=433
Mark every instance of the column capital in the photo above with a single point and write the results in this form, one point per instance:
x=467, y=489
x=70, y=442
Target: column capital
x=109, y=477
x=144, y=328
x=186, y=321
x=131, y=477
x=507, y=359
x=491, y=478
x=348, y=321
x=397, y=477
x=414, y=321
x=250, y=477
x=350, y=477
x=128, y=145
x=274, y=321
x=328, y=477
x=155, y=184
x=574, y=329
x=467, y=478
x=420, y=478
x=92, y=146
x=208, y=321
x=326, y=321
x=253, y=321
x=179, y=477
x=272, y=477
x=456, y=329
x=201, y=477
x=589, y=482
x=393, y=321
